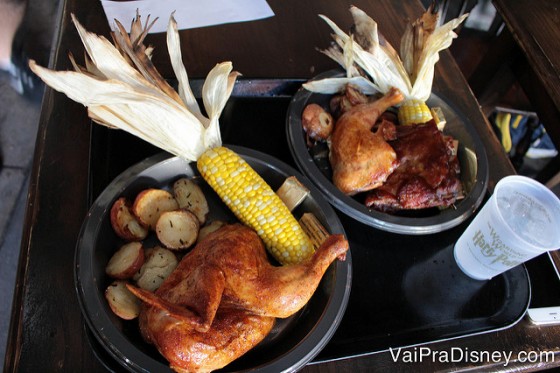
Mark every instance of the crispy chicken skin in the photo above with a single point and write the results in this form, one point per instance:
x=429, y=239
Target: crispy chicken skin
x=233, y=333
x=361, y=158
x=228, y=280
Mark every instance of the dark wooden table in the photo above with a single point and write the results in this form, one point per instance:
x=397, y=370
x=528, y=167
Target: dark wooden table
x=47, y=330
x=525, y=51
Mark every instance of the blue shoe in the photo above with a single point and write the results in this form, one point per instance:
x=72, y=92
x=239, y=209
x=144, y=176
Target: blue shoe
x=22, y=79
x=542, y=145
x=512, y=127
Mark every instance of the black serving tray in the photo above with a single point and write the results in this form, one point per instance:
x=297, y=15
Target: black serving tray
x=406, y=290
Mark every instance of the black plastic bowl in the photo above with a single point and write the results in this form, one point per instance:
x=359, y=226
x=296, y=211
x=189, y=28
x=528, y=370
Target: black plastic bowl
x=292, y=343
x=472, y=158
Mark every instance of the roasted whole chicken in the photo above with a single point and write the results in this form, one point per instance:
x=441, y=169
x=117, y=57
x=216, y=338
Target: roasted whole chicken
x=360, y=157
x=224, y=295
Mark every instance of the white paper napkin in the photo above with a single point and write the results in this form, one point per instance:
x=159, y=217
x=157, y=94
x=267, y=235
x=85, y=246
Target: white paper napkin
x=188, y=13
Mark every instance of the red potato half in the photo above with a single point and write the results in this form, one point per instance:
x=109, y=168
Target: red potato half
x=317, y=122
x=189, y=196
x=209, y=228
x=177, y=229
x=151, y=203
x=124, y=222
x=159, y=264
x=126, y=261
x=121, y=301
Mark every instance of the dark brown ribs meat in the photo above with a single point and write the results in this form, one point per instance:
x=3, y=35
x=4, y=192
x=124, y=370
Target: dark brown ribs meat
x=427, y=172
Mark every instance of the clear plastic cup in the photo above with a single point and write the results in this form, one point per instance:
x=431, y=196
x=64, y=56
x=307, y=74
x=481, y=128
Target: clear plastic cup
x=520, y=221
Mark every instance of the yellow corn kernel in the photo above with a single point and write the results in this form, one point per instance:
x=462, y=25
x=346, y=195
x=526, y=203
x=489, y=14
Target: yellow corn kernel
x=414, y=111
x=255, y=204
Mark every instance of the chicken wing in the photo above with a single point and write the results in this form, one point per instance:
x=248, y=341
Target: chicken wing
x=362, y=159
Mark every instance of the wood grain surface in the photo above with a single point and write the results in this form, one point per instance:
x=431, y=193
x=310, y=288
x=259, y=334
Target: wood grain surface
x=47, y=332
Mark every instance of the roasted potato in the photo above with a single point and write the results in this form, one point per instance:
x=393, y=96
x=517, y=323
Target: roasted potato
x=126, y=261
x=121, y=301
x=160, y=262
x=151, y=203
x=317, y=122
x=209, y=228
x=124, y=222
x=189, y=196
x=177, y=229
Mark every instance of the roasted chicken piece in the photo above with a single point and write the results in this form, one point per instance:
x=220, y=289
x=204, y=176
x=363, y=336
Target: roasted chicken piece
x=347, y=99
x=226, y=286
x=427, y=175
x=233, y=333
x=362, y=159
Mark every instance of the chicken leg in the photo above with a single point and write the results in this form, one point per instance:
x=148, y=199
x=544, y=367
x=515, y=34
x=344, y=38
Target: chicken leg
x=362, y=159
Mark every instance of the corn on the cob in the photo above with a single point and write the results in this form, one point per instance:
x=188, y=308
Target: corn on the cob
x=373, y=64
x=253, y=202
x=135, y=97
x=414, y=111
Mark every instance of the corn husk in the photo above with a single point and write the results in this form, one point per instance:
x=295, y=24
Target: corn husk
x=374, y=58
x=122, y=89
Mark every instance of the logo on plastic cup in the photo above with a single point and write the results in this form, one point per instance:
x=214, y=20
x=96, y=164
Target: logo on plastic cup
x=493, y=247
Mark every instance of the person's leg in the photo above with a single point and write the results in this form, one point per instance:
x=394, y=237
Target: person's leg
x=13, y=58
x=11, y=15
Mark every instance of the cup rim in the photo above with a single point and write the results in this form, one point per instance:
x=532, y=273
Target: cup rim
x=549, y=195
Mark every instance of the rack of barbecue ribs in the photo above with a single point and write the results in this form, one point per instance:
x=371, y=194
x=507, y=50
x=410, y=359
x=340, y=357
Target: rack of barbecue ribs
x=427, y=175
